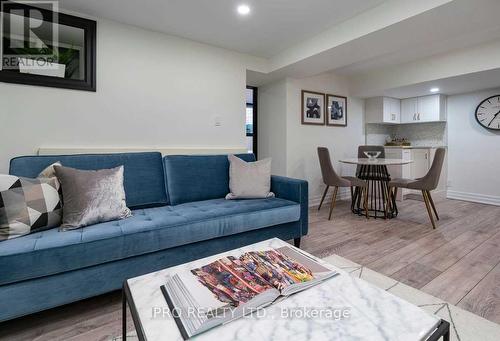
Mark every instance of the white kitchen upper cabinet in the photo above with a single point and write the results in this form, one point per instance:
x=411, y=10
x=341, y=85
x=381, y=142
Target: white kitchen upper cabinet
x=383, y=110
x=408, y=110
x=430, y=108
x=394, y=114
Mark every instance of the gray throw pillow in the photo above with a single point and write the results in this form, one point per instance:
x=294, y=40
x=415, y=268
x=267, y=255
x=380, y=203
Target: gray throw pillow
x=91, y=196
x=249, y=180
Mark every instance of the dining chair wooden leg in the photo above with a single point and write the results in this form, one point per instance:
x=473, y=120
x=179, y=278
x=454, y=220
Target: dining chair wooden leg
x=353, y=196
x=323, y=197
x=428, y=206
x=395, y=197
x=432, y=204
x=365, y=200
x=387, y=195
x=333, y=202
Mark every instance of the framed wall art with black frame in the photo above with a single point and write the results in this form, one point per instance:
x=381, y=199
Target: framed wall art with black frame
x=336, y=110
x=313, y=108
x=43, y=47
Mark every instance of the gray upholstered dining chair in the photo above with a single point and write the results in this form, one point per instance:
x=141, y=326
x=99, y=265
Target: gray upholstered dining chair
x=331, y=179
x=369, y=148
x=425, y=184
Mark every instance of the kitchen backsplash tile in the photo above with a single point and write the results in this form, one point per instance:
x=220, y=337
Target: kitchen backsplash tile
x=377, y=134
x=421, y=134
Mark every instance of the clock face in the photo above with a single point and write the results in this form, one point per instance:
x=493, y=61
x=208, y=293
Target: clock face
x=488, y=113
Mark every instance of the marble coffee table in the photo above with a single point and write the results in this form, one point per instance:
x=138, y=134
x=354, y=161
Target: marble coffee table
x=361, y=311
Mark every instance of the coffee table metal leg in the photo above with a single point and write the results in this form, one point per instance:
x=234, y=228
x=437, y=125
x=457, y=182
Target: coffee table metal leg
x=446, y=337
x=129, y=306
x=124, y=315
x=442, y=331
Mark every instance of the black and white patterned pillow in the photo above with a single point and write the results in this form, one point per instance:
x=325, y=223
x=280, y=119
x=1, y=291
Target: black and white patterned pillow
x=28, y=205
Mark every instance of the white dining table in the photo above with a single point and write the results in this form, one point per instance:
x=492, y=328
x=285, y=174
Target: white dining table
x=376, y=162
x=381, y=204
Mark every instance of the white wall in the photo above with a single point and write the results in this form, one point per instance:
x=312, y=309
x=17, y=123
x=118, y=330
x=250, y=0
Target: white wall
x=473, y=162
x=152, y=90
x=303, y=140
x=292, y=145
x=272, y=125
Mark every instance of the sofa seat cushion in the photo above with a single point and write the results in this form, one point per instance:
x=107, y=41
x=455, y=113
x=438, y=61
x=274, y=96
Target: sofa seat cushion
x=148, y=230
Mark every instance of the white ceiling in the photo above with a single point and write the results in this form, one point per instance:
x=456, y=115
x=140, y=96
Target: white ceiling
x=450, y=86
x=272, y=26
x=382, y=33
x=456, y=25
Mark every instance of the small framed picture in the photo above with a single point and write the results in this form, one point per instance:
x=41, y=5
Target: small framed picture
x=336, y=110
x=313, y=108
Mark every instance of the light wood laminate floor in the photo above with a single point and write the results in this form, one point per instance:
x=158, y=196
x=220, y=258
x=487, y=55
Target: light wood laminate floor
x=459, y=262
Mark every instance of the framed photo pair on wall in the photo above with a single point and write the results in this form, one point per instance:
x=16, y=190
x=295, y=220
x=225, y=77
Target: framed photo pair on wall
x=323, y=109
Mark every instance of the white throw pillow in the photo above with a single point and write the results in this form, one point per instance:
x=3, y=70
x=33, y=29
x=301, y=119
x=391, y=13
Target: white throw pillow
x=249, y=180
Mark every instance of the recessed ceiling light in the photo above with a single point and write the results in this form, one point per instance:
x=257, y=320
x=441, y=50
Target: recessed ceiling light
x=243, y=10
x=434, y=90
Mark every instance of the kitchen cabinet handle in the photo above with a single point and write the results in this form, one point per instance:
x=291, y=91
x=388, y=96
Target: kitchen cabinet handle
x=418, y=116
x=414, y=117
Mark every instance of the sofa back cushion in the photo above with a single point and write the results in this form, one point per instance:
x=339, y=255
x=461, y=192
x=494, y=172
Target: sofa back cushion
x=143, y=172
x=198, y=177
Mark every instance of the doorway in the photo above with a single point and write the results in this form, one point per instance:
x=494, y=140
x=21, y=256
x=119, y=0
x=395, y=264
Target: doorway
x=251, y=119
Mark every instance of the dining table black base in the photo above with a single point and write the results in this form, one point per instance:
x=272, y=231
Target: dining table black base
x=377, y=178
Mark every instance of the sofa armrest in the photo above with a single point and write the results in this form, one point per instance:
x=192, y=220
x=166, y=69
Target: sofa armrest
x=293, y=190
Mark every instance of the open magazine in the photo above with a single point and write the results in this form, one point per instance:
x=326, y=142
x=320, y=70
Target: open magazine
x=232, y=287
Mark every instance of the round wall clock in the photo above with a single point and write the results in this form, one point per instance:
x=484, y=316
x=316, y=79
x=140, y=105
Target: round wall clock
x=488, y=113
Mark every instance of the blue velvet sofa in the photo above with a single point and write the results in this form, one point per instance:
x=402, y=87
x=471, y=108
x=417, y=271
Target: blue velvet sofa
x=179, y=214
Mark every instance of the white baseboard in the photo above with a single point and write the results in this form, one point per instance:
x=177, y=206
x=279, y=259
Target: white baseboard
x=474, y=197
x=163, y=150
x=343, y=194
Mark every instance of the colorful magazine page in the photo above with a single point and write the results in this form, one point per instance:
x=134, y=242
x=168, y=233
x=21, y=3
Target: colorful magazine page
x=229, y=287
x=231, y=281
x=277, y=269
